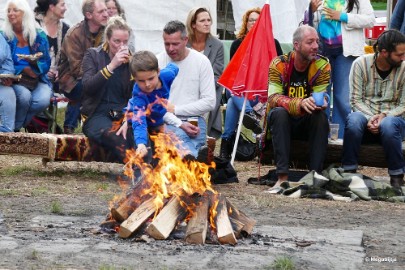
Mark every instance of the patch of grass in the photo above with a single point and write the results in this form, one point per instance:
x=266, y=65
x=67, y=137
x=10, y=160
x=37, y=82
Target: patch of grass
x=15, y=170
x=107, y=197
x=60, y=119
x=18, y=170
x=110, y=267
x=56, y=207
x=39, y=191
x=102, y=186
x=34, y=255
x=379, y=5
x=8, y=192
x=283, y=263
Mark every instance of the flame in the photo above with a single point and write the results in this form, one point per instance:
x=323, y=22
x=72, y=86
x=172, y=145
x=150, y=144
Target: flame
x=170, y=175
x=213, y=211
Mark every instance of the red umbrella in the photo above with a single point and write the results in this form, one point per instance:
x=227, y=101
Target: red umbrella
x=247, y=72
x=249, y=67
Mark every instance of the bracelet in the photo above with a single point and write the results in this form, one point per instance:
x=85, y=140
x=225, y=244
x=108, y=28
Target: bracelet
x=109, y=70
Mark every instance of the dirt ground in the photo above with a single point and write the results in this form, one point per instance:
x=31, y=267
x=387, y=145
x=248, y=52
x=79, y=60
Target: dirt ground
x=72, y=190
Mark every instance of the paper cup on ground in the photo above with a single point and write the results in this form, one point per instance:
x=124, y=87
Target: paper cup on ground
x=334, y=131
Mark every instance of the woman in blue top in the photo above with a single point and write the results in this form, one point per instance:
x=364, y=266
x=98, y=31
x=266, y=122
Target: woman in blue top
x=25, y=39
x=148, y=104
x=341, y=24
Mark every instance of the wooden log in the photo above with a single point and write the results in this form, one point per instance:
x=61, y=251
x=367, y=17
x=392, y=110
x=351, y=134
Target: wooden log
x=131, y=201
x=370, y=154
x=137, y=218
x=122, y=212
x=236, y=214
x=198, y=224
x=237, y=227
x=166, y=220
x=224, y=227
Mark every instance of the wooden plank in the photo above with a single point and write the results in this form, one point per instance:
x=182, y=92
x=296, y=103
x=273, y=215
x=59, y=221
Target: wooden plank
x=198, y=224
x=166, y=220
x=137, y=218
x=224, y=227
x=370, y=154
x=238, y=215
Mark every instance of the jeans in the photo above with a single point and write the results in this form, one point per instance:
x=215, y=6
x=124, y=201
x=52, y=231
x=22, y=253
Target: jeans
x=392, y=132
x=191, y=145
x=233, y=108
x=72, y=114
x=311, y=127
x=7, y=108
x=29, y=103
x=340, y=70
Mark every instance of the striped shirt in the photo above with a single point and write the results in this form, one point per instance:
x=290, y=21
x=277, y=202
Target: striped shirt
x=370, y=94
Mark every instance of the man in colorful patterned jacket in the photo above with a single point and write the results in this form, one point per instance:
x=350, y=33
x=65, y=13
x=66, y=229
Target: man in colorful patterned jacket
x=293, y=113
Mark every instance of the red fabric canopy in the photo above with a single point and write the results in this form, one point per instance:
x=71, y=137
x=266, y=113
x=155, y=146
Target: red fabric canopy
x=249, y=67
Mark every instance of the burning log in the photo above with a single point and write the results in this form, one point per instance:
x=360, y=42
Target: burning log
x=239, y=217
x=137, y=218
x=224, y=227
x=166, y=220
x=198, y=224
x=122, y=212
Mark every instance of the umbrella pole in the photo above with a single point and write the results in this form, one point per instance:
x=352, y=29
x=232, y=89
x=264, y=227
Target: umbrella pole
x=242, y=113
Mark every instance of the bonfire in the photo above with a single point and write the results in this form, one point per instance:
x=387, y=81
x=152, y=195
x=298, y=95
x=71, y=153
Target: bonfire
x=174, y=194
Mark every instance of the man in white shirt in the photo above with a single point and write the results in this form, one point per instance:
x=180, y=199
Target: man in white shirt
x=192, y=92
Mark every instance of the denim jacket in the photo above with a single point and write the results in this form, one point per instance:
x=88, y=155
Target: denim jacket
x=6, y=63
x=40, y=45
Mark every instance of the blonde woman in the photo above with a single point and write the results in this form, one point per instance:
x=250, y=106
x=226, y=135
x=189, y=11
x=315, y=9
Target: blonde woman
x=33, y=92
x=107, y=87
x=198, y=25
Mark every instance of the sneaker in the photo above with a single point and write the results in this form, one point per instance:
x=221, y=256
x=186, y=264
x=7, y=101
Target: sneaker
x=251, y=122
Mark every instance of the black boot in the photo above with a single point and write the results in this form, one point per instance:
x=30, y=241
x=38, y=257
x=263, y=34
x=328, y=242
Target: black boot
x=226, y=148
x=397, y=181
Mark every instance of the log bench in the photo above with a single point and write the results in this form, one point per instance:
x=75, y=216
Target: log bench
x=53, y=147
x=370, y=154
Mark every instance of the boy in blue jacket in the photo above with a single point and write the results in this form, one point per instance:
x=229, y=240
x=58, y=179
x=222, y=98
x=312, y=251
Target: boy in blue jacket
x=151, y=89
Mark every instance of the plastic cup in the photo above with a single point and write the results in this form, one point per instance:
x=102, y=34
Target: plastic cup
x=193, y=121
x=334, y=131
x=319, y=98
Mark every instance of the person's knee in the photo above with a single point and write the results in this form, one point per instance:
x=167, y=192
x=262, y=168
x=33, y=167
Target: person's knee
x=390, y=126
x=278, y=115
x=23, y=97
x=356, y=120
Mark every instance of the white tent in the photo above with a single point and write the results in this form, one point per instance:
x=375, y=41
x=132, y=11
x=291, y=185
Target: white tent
x=148, y=18
x=285, y=15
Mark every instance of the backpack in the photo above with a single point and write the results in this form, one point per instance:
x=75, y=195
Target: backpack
x=224, y=173
x=246, y=149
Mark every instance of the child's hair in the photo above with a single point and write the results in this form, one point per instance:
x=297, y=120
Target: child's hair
x=143, y=61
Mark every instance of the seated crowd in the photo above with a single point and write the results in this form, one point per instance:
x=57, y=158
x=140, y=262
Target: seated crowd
x=123, y=96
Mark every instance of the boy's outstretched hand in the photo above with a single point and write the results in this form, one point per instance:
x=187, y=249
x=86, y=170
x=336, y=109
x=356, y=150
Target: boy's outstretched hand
x=141, y=150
